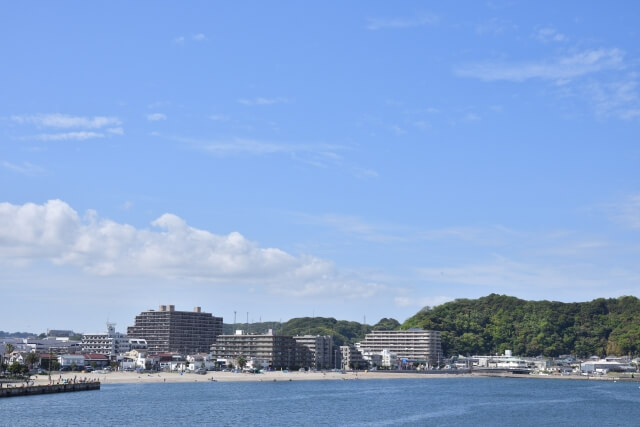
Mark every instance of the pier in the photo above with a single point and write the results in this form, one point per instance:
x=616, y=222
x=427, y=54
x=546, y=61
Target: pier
x=46, y=389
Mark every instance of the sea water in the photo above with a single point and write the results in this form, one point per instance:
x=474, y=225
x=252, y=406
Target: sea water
x=392, y=402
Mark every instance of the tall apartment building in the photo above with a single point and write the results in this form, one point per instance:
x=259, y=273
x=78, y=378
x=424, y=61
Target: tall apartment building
x=271, y=350
x=111, y=343
x=168, y=330
x=323, y=351
x=419, y=345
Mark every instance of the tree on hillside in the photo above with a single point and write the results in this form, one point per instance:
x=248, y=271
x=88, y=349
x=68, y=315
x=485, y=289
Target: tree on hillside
x=386, y=325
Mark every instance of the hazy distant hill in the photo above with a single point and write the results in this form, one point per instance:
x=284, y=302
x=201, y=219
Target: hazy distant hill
x=4, y=334
x=495, y=323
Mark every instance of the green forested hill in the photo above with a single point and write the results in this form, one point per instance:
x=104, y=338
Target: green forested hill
x=343, y=331
x=494, y=323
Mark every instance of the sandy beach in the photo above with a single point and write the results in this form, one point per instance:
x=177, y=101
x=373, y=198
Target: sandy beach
x=171, y=377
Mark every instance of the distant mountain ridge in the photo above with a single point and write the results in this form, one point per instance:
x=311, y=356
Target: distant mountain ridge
x=492, y=324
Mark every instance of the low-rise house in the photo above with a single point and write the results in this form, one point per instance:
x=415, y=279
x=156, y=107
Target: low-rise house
x=96, y=360
x=71, y=360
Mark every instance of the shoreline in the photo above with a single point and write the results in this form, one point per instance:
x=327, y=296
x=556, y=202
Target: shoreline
x=217, y=376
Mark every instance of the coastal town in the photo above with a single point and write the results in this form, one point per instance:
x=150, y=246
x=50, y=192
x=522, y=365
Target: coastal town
x=169, y=344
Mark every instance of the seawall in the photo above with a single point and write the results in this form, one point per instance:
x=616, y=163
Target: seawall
x=46, y=389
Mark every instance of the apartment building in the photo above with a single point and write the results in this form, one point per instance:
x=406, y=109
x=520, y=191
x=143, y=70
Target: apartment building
x=267, y=350
x=324, y=352
x=351, y=358
x=168, y=330
x=418, y=345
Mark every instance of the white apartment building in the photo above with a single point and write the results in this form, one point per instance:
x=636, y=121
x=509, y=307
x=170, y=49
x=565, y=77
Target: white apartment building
x=419, y=345
x=111, y=343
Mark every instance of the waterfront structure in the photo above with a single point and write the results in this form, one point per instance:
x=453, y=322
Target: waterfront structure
x=111, y=343
x=351, y=358
x=416, y=345
x=610, y=364
x=168, y=330
x=266, y=350
x=322, y=350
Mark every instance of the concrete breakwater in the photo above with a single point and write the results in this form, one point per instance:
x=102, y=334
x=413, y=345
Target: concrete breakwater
x=46, y=389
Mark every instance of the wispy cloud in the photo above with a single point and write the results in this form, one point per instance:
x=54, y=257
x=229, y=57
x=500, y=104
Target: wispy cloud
x=558, y=69
x=65, y=121
x=25, y=168
x=356, y=226
x=154, y=117
x=617, y=98
x=627, y=211
x=421, y=20
x=178, y=40
x=412, y=301
x=199, y=37
x=263, y=101
x=219, y=117
x=548, y=34
x=494, y=27
x=69, y=136
x=116, y=131
x=504, y=273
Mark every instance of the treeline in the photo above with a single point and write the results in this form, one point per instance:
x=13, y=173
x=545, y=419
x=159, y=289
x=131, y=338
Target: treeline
x=343, y=332
x=495, y=323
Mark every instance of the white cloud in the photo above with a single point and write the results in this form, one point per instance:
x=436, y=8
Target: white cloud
x=559, y=69
x=548, y=34
x=219, y=118
x=375, y=24
x=67, y=122
x=55, y=232
x=262, y=101
x=178, y=40
x=199, y=37
x=154, y=117
x=74, y=136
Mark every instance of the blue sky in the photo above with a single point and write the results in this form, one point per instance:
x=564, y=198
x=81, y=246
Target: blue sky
x=296, y=159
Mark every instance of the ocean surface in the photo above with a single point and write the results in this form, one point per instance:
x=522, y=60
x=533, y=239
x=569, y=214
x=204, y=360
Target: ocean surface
x=393, y=402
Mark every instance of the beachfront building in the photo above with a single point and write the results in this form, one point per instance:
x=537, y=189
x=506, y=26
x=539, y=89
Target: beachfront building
x=111, y=343
x=351, y=358
x=415, y=345
x=262, y=350
x=168, y=330
x=322, y=348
